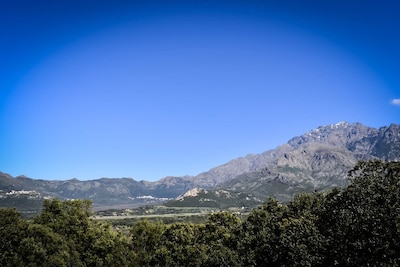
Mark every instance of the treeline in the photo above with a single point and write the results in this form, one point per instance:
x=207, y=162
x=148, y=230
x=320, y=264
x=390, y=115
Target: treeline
x=355, y=226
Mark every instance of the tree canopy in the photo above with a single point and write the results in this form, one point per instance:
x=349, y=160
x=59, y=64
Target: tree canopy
x=358, y=225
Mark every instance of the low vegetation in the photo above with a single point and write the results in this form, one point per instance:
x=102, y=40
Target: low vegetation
x=358, y=225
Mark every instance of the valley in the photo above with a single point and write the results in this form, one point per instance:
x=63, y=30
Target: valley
x=317, y=160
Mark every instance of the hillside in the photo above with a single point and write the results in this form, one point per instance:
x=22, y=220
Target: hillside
x=221, y=199
x=317, y=160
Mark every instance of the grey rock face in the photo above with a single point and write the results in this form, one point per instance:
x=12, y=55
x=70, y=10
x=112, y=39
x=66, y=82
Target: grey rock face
x=319, y=159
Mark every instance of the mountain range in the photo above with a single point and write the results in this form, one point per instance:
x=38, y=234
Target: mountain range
x=316, y=160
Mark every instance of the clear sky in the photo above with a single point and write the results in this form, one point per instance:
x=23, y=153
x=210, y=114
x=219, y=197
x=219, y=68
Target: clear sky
x=147, y=89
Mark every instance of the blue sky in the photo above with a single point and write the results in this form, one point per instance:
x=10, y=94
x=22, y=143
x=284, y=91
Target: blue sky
x=147, y=89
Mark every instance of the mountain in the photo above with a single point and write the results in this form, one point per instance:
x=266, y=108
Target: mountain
x=317, y=160
x=103, y=192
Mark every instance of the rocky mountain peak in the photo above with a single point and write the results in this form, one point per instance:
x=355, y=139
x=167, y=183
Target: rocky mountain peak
x=321, y=158
x=387, y=143
x=342, y=134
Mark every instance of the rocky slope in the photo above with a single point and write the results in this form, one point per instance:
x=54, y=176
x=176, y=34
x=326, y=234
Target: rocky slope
x=319, y=159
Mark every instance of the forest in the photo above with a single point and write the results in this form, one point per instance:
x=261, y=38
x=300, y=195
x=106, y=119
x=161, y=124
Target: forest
x=358, y=225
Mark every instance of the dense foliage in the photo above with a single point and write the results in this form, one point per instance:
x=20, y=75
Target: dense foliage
x=355, y=226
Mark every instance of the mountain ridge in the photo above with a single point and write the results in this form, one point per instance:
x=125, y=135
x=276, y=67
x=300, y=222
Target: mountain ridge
x=321, y=159
x=316, y=160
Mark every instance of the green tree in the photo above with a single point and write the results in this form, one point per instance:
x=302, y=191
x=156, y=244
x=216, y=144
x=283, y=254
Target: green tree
x=40, y=246
x=25, y=243
x=220, y=235
x=361, y=222
x=107, y=247
x=146, y=240
x=274, y=235
x=91, y=243
x=182, y=246
x=12, y=229
x=69, y=219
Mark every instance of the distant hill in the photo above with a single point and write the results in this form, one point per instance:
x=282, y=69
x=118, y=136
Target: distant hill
x=317, y=160
x=221, y=199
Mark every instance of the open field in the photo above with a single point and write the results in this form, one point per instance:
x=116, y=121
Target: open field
x=128, y=217
x=148, y=216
